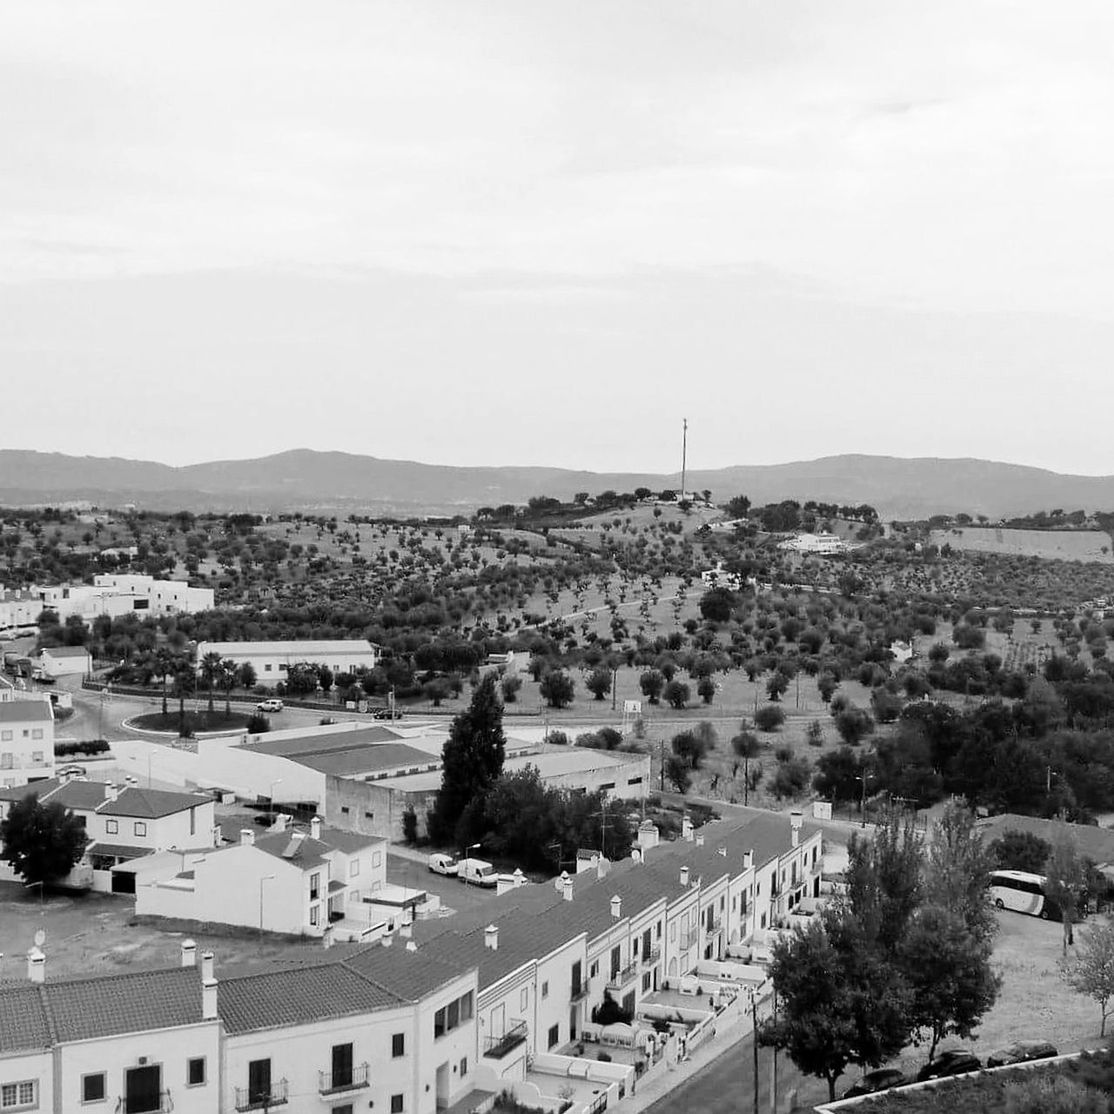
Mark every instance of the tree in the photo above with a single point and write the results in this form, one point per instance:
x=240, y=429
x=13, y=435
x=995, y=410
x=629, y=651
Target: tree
x=651, y=683
x=1091, y=970
x=185, y=684
x=716, y=604
x=509, y=687
x=769, y=717
x=884, y=886
x=947, y=968
x=164, y=664
x=677, y=694
x=826, y=684
x=472, y=758
x=229, y=674
x=1026, y=851
x=814, y=733
x=746, y=746
x=838, y=773
x=247, y=675
x=690, y=748
x=838, y=1002
x=1065, y=879
x=776, y=684
x=678, y=773
x=301, y=679
x=737, y=506
x=41, y=843
x=212, y=668
x=853, y=725
x=557, y=688
x=958, y=866
x=706, y=689
x=599, y=682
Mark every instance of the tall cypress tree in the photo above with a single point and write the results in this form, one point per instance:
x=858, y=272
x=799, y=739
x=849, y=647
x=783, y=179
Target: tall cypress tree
x=472, y=759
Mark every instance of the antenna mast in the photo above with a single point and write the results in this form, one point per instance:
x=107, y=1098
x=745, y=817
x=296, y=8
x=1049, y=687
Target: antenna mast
x=684, y=452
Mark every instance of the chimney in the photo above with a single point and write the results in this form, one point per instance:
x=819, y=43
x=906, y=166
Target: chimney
x=280, y=822
x=647, y=835
x=189, y=953
x=36, y=965
x=111, y=791
x=208, y=988
x=685, y=876
x=566, y=887
x=700, y=838
x=247, y=836
x=748, y=860
x=616, y=907
x=131, y=780
x=387, y=938
x=315, y=828
x=686, y=829
x=795, y=820
x=406, y=930
x=491, y=937
x=411, y=946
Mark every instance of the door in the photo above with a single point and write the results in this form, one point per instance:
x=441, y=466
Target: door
x=123, y=882
x=572, y=1022
x=142, y=1087
x=498, y=1021
x=259, y=1080
x=342, y=1065
x=443, y=1086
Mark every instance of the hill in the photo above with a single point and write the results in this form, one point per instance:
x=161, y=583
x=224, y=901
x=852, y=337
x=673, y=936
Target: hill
x=306, y=480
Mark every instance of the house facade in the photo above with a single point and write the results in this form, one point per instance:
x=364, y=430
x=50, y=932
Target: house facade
x=272, y=660
x=65, y=661
x=26, y=741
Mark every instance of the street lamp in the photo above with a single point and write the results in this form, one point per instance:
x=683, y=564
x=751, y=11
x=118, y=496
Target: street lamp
x=863, y=778
x=265, y=878
x=274, y=784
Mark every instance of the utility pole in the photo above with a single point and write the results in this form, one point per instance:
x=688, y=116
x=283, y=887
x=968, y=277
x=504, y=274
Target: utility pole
x=754, y=1034
x=661, y=771
x=684, y=453
x=773, y=1079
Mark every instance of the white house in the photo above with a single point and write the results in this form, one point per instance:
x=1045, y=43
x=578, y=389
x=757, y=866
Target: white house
x=26, y=741
x=122, y=594
x=272, y=660
x=65, y=661
x=820, y=544
x=283, y=880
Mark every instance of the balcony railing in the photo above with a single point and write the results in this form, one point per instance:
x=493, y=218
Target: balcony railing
x=498, y=1047
x=253, y=1098
x=620, y=978
x=159, y=1103
x=713, y=925
x=578, y=990
x=331, y=1082
x=688, y=939
x=651, y=956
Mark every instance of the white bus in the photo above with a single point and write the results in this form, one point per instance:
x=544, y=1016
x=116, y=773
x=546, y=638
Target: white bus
x=1023, y=893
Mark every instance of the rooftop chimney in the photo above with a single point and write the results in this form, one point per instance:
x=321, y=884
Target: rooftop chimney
x=315, y=828
x=491, y=937
x=684, y=876
x=700, y=839
x=208, y=988
x=748, y=860
x=686, y=829
x=36, y=965
x=111, y=791
x=189, y=953
x=566, y=887
x=795, y=820
x=247, y=836
x=406, y=930
x=411, y=946
x=280, y=822
x=647, y=835
x=616, y=907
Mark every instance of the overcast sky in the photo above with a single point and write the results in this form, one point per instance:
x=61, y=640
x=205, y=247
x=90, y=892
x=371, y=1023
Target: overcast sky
x=542, y=233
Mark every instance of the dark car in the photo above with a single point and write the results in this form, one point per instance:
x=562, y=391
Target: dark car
x=386, y=713
x=955, y=1061
x=875, y=1081
x=1019, y=1052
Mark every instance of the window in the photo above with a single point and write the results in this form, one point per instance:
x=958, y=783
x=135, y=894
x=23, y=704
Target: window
x=267, y=668
x=344, y=810
x=19, y=1096
x=36, y=756
x=111, y=827
x=377, y=858
x=369, y=815
x=140, y=828
x=6, y=736
x=314, y=914
x=449, y=1017
x=6, y=761
x=398, y=1045
x=673, y=931
x=193, y=821
x=396, y=1104
x=554, y=1036
x=524, y=999
x=463, y=1066
x=545, y=989
x=93, y=1087
x=195, y=1071
x=36, y=733
x=353, y=868
x=593, y=971
x=314, y=887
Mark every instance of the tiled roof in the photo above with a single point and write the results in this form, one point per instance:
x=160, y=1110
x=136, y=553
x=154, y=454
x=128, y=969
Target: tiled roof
x=406, y=974
x=116, y=850
x=349, y=842
x=84, y=795
x=66, y=651
x=151, y=804
x=24, y=1025
x=40, y=789
x=303, y=852
x=133, y=1002
x=25, y=711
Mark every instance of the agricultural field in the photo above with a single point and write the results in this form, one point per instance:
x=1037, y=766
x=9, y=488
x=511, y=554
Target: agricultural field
x=1055, y=545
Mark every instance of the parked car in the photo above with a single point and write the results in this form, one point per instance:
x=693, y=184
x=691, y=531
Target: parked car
x=956, y=1061
x=875, y=1081
x=1020, y=1051
x=443, y=864
x=272, y=705
x=386, y=713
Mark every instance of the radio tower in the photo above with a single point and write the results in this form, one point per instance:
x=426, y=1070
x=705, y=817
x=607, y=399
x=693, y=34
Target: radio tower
x=684, y=452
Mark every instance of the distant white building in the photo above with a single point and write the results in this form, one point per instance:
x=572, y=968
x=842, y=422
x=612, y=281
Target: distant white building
x=821, y=544
x=114, y=595
x=65, y=661
x=26, y=741
x=272, y=660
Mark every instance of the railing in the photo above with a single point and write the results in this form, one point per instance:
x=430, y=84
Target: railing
x=714, y=925
x=251, y=1098
x=651, y=956
x=578, y=991
x=688, y=939
x=142, y=1105
x=330, y=1082
x=620, y=978
x=498, y=1047
x=598, y=1103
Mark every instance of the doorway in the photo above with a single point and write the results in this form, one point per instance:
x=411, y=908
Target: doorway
x=142, y=1090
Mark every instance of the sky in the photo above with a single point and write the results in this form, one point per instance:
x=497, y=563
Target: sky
x=524, y=233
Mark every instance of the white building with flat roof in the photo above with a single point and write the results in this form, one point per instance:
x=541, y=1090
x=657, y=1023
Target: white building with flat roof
x=26, y=741
x=272, y=660
x=114, y=595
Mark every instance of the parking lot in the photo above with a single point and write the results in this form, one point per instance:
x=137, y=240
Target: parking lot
x=454, y=895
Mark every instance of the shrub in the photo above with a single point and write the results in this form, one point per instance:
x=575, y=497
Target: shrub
x=257, y=724
x=769, y=717
x=815, y=734
x=557, y=738
x=510, y=687
x=410, y=826
x=677, y=694
x=853, y=725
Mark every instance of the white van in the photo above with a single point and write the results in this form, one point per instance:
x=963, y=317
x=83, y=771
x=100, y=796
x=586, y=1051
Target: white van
x=440, y=863
x=477, y=872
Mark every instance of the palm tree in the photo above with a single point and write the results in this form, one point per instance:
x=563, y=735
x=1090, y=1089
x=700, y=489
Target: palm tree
x=229, y=675
x=212, y=667
x=164, y=663
x=185, y=682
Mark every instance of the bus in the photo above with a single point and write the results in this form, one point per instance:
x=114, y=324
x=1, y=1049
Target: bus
x=1025, y=893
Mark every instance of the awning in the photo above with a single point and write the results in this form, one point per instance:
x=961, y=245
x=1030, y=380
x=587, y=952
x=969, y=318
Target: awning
x=335, y=887
x=116, y=851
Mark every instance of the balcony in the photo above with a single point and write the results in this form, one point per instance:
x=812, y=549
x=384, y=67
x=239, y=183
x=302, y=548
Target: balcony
x=712, y=926
x=688, y=939
x=498, y=1047
x=577, y=991
x=649, y=958
x=254, y=1098
x=146, y=1103
x=619, y=979
x=333, y=1083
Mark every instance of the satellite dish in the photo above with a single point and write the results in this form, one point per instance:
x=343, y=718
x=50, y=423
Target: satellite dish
x=40, y=938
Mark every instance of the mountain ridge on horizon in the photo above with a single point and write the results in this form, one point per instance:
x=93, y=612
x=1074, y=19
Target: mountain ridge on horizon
x=308, y=479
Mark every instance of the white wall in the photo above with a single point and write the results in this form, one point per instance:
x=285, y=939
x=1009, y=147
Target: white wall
x=251, y=774
x=157, y=834
x=20, y=742
x=37, y=1066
